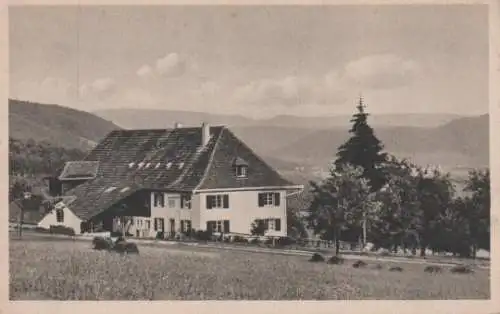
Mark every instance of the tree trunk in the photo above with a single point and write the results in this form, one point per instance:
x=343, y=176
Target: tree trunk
x=337, y=242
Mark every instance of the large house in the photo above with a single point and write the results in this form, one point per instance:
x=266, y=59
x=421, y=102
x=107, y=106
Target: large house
x=171, y=181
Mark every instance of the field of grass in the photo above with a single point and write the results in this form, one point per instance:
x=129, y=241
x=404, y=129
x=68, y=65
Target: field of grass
x=67, y=270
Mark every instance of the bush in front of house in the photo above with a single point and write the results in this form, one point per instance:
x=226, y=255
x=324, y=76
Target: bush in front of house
x=461, y=269
x=316, y=257
x=285, y=241
x=335, y=260
x=359, y=264
x=101, y=243
x=239, y=239
x=203, y=235
x=254, y=241
x=396, y=269
x=126, y=247
x=433, y=269
x=55, y=229
x=160, y=235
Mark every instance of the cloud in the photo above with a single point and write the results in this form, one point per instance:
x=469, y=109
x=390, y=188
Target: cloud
x=144, y=71
x=99, y=89
x=171, y=65
x=370, y=73
x=384, y=71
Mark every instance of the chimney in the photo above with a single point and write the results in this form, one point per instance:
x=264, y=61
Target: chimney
x=177, y=125
x=205, y=133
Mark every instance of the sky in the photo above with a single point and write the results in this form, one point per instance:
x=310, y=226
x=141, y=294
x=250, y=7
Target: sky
x=257, y=61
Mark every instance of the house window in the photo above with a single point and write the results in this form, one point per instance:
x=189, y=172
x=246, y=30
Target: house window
x=185, y=225
x=217, y=201
x=159, y=199
x=59, y=215
x=110, y=189
x=159, y=224
x=269, y=199
x=218, y=226
x=148, y=224
x=272, y=224
x=186, y=201
x=241, y=171
x=171, y=203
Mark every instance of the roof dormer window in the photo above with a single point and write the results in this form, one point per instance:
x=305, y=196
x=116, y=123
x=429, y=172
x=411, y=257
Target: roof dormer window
x=130, y=165
x=241, y=168
x=241, y=171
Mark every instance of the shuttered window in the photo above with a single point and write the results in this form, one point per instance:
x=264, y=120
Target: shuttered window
x=269, y=199
x=217, y=201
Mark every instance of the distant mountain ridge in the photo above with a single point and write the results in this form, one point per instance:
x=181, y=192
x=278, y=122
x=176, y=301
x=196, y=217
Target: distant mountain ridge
x=286, y=142
x=158, y=118
x=58, y=125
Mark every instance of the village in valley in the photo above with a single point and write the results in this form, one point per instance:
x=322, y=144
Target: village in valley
x=130, y=203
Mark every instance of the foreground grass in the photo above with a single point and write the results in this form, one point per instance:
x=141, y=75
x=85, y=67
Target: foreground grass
x=66, y=270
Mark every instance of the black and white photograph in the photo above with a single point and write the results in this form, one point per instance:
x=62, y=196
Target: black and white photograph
x=249, y=152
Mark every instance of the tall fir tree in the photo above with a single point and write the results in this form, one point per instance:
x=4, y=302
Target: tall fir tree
x=363, y=149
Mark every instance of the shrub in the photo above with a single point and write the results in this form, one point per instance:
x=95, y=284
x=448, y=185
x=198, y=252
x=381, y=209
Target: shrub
x=359, y=264
x=239, y=239
x=202, y=235
x=432, y=269
x=336, y=260
x=101, y=243
x=254, y=241
x=461, y=269
x=285, y=241
x=316, y=257
x=56, y=229
x=126, y=247
x=160, y=235
x=115, y=234
x=396, y=268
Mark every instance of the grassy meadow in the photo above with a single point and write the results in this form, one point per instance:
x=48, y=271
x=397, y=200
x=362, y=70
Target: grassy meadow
x=66, y=270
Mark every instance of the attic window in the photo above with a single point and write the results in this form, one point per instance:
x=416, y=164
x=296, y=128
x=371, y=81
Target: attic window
x=125, y=189
x=147, y=165
x=241, y=167
x=169, y=164
x=140, y=165
x=130, y=165
x=157, y=165
x=181, y=165
x=241, y=171
x=110, y=189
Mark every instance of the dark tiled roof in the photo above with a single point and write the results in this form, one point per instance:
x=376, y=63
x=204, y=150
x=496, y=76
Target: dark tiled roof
x=171, y=159
x=79, y=170
x=238, y=161
x=221, y=172
x=95, y=196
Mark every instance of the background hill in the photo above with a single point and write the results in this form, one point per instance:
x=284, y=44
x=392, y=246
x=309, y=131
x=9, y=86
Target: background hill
x=300, y=148
x=57, y=125
x=155, y=118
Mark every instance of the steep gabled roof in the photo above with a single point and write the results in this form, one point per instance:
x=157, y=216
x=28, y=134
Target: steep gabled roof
x=221, y=173
x=166, y=159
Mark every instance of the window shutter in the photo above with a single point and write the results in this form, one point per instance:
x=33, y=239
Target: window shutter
x=182, y=226
x=276, y=199
x=156, y=224
x=182, y=201
x=209, y=202
x=226, y=226
x=225, y=200
x=208, y=226
x=277, y=225
x=261, y=199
